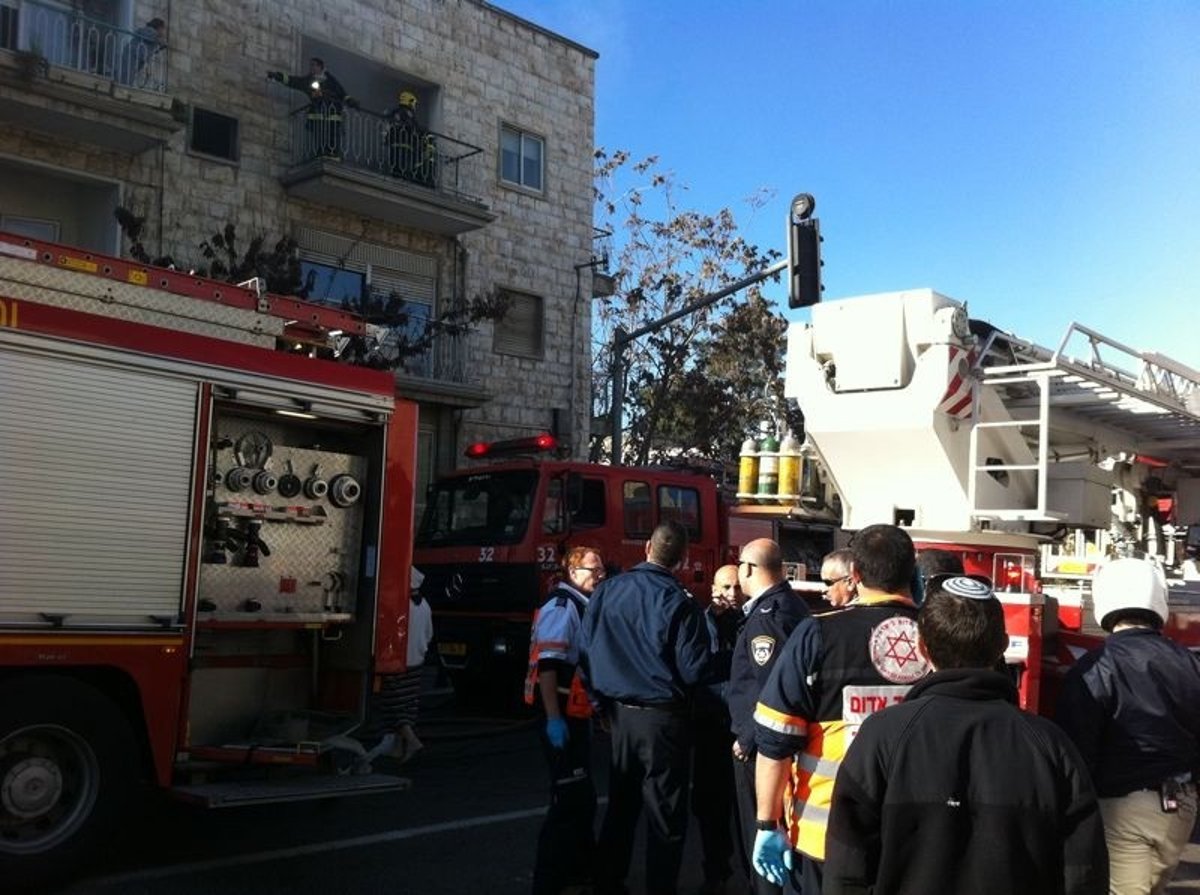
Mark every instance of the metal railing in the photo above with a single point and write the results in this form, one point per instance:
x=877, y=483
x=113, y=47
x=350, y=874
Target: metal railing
x=444, y=361
x=71, y=40
x=372, y=142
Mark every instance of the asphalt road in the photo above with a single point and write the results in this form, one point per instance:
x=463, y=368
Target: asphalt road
x=468, y=824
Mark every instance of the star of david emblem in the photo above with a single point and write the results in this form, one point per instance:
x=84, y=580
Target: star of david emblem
x=893, y=649
x=902, y=649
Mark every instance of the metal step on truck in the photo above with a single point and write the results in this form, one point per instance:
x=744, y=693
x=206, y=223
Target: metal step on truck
x=205, y=549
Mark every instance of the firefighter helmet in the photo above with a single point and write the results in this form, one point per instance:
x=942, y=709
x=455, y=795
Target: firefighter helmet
x=1128, y=584
x=407, y=98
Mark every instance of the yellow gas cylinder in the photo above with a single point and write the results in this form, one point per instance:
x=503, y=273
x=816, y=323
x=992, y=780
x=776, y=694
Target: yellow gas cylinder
x=789, y=469
x=748, y=469
x=768, y=468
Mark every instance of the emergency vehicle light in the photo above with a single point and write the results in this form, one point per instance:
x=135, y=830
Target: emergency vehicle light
x=543, y=443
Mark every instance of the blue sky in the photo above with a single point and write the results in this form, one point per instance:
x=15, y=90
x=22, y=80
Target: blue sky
x=1039, y=161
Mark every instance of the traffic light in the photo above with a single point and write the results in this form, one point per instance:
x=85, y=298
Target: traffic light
x=804, y=253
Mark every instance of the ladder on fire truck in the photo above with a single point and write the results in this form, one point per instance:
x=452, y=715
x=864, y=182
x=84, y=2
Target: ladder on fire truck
x=1115, y=401
x=75, y=279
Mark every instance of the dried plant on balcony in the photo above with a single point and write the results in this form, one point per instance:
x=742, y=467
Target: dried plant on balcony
x=31, y=64
x=393, y=341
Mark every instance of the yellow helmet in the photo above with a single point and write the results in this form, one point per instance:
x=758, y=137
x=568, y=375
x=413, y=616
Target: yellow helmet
x=408, y=98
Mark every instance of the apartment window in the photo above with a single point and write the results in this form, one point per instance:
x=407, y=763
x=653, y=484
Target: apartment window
x=214, y=134
x=521, y=157
x=519, y=331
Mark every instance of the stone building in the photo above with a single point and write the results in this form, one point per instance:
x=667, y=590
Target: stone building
x=181, y=125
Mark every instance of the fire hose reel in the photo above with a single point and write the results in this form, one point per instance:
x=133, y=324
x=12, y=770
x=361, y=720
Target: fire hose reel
x=315, y=487
x=344, y=490
x=240, y=478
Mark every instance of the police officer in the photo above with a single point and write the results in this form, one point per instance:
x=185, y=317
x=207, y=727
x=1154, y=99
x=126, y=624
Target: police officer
x=566, y=842
x=712, y=765
x=772, y=612
x=646, y=647
x=835, y=669
x=1132, y=706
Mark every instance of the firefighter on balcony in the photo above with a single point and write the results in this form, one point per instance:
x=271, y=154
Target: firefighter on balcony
x=326, y=97
x=566, y=841
x=411, y=151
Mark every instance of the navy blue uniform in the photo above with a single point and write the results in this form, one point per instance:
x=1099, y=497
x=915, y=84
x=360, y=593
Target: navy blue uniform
x=1133, y=709
x=645, y=647
x=770, y=620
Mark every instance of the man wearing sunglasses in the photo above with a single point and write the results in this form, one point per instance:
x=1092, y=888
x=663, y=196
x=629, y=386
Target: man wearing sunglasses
x=838, y=577
x=772, y=612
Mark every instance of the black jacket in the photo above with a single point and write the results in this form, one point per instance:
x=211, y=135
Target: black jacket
x=1133, y=709
x=957, y=791
x=773, y=616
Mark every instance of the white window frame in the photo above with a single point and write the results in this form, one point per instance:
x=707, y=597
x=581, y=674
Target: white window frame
x=522, y=136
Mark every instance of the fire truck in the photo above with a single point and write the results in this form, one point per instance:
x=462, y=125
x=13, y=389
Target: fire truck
x=494, y=533
x=204, y=550
x=1031, y=463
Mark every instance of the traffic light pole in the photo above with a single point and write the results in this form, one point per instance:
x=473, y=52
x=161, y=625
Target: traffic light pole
x=623, y=337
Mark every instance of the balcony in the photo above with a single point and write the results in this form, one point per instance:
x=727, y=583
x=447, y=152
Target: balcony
x=353, y=162
x=437, y=375
x=83, y=79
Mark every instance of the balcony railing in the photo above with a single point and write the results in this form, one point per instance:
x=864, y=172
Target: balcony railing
x=372, y=142
x=68, y=39
x=443, y=361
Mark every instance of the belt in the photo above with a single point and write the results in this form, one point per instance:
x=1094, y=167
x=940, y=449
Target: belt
x=670, y=705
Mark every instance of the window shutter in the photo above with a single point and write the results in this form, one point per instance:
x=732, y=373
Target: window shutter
x=519, y=332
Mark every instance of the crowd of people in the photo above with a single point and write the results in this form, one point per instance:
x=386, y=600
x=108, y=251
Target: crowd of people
x=871, y=744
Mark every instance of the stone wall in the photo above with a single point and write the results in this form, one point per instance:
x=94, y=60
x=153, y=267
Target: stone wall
x=486, y=68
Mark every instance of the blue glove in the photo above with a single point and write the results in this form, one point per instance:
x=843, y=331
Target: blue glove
x=772, y=856
x=556, y=733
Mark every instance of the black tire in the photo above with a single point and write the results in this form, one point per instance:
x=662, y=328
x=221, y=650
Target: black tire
x=68, y=762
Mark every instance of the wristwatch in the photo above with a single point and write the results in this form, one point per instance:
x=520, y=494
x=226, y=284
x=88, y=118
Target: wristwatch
x=766, y=825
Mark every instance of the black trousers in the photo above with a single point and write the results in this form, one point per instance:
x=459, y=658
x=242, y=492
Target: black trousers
x=712, y=791
x=650, y=765
x=566, y=843
x=747, y=813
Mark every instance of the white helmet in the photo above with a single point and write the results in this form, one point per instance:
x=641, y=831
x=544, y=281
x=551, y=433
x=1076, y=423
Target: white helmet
x=1129, y=584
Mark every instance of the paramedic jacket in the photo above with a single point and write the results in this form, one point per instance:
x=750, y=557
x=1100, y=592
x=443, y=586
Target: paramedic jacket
x=770, y=619
x=1132, y=706
x=644, y=641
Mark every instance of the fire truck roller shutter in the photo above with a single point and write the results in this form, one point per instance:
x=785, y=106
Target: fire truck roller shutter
x=97, y=466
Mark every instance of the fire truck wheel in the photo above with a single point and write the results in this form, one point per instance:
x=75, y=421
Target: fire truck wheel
x=67, y=765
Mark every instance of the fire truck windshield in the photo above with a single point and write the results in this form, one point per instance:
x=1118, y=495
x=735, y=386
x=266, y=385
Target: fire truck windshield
x=481, y=508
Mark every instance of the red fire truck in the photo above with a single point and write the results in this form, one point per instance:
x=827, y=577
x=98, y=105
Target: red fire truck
x=493, y=535
x=204, y=549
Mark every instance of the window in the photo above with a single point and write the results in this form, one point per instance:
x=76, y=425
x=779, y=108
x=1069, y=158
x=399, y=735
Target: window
x=214, y=134
x=519, y=331
x=638, y=520
x=591, y=507
x=681, y=505
x=521, y=158
x=35, y=228
x=329, y=285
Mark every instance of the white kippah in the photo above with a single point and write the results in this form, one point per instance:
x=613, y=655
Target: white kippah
x=971, y=588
